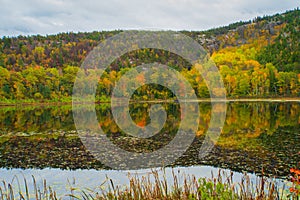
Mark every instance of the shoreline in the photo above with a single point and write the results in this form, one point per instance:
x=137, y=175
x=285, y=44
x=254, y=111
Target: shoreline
x=277, y=99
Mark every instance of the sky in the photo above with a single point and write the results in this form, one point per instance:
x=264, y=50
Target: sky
x=28, y=17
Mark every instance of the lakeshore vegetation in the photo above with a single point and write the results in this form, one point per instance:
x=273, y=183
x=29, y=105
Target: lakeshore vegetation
x=258, y=58
x=156, y=186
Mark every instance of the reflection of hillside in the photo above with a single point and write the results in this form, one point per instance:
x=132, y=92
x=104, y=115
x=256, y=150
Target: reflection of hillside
x=243, y=120
x=277, y=153
x=246, y=122
x=255, y=135
x=29, y=119
x=275, y=156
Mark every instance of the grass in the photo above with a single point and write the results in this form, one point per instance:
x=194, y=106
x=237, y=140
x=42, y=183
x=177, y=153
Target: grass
x=156, y=186
x=8, y=193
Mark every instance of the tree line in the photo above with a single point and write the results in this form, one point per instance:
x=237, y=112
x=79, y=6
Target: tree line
x=259, y=58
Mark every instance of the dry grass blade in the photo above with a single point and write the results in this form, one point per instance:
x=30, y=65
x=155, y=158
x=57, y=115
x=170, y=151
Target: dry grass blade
x=35, y=188
x=160, y=186
x=26, y=188
x=1, y=194
x=10, y=191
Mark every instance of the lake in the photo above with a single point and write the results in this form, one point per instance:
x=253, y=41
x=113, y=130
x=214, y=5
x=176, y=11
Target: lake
x=43, y=141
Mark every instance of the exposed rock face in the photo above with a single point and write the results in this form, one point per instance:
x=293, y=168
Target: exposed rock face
x=210, y=43
x=239, y=35
x=271, y=27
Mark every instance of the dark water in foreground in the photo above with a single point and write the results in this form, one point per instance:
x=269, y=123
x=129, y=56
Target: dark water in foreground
x=255, y=136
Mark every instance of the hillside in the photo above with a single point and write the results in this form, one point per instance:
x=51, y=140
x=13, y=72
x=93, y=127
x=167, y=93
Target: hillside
x=257, y=58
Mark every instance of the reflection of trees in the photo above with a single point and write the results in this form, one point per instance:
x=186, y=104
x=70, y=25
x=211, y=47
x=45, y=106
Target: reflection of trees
x=243, y=119
x=249, y=120
x=245, y=122
x=255, y=134
x=35, y=119
x=276, y=155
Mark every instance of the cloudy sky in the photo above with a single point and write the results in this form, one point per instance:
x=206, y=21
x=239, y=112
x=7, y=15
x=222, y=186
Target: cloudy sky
x=28, y=17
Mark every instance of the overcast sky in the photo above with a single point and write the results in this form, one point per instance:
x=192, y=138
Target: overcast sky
x=29, y=17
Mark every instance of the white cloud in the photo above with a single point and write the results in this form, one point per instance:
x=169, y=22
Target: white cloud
x=53, y=16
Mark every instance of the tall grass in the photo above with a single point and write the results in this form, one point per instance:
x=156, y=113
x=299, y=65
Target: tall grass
x=156, y=186
x=7, y=192
x=221, y=186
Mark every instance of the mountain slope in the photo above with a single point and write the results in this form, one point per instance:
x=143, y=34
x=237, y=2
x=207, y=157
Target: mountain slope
x=257, y=58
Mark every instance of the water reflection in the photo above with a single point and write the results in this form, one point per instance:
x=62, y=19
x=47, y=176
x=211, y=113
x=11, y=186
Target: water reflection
x=255, y=135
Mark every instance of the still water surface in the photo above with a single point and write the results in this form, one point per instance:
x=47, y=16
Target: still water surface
x=42, y=141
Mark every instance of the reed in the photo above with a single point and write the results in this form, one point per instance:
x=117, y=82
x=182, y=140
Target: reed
x=7, y=192
x=155, y=185
x=217, y=187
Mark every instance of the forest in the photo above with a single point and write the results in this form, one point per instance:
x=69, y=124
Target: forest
x=259, y=58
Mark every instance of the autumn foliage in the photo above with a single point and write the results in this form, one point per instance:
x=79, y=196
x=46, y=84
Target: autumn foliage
x=259, y=58
x=295, y=179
